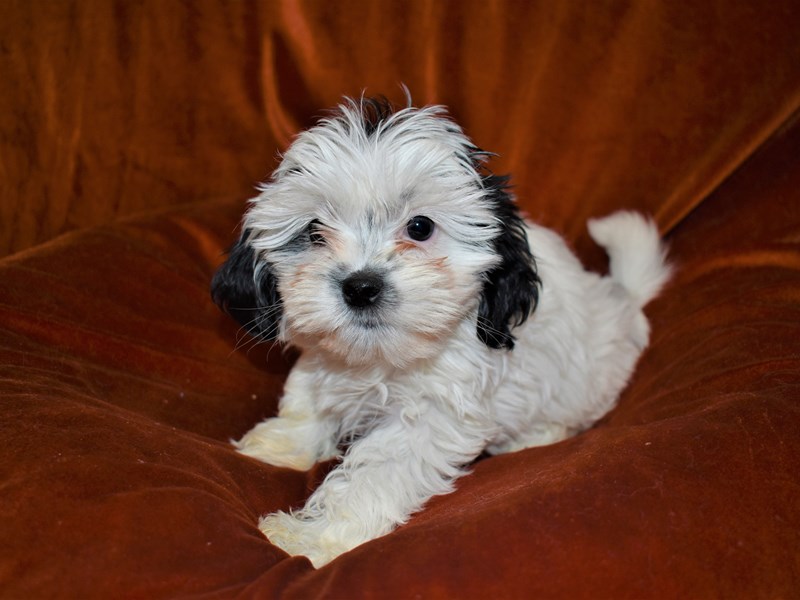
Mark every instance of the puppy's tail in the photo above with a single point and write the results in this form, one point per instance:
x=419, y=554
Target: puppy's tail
x=636, y=253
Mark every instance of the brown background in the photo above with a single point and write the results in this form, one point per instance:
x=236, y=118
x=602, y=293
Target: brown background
x=131, y=134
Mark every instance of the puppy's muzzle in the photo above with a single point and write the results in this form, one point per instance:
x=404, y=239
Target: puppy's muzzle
x=362, y=289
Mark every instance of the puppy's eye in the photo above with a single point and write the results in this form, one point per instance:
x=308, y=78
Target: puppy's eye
x=314, y=233
x=420, y=228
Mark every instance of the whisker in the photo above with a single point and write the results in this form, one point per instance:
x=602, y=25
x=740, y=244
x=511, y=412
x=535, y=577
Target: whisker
x=495, y=334
x=252, y=333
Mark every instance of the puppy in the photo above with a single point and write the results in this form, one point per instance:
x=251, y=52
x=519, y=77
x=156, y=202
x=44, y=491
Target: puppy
x=434, y=322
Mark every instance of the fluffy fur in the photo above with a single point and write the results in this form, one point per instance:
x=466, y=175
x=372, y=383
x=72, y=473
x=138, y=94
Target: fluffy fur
x=434, y=322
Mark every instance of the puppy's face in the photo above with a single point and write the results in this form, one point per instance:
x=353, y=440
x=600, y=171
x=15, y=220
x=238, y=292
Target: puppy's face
x=376, y=238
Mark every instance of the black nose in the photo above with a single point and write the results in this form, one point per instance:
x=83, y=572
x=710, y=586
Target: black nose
x=362, y=288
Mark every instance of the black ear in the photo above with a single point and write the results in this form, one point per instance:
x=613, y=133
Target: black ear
x=511, y=289
x=247, y=294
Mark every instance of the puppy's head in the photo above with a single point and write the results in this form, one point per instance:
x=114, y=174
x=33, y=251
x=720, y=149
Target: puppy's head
x=376, y=238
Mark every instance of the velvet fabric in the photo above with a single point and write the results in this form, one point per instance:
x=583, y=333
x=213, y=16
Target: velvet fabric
x=131, y=134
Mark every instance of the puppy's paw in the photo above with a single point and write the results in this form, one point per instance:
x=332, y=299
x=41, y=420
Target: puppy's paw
x=303, y=535
x=539, y=434
x=281, y=442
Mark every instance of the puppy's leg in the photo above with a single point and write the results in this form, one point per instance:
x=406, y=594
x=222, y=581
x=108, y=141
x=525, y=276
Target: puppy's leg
x=384, y=477
x=298, y=437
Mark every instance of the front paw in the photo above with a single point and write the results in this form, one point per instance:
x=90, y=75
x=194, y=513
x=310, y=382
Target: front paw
x=303, y=535
x=281, y=442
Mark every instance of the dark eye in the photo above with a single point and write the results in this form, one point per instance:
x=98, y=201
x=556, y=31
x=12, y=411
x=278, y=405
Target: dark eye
x=420, y=228
x=314, y=233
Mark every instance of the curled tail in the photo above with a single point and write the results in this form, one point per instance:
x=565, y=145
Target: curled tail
x=636, y=253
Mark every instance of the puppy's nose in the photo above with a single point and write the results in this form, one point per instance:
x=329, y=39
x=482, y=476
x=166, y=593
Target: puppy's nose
x=362, y=288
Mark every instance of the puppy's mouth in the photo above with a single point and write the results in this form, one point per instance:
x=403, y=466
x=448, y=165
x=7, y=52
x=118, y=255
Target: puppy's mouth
x=363, y=337
x=368, y=321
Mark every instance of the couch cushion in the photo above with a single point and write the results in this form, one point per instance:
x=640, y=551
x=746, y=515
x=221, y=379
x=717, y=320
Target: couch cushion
x=118, y=109
x=121, y=385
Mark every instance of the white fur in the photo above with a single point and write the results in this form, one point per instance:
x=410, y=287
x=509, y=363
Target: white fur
x=416, y=396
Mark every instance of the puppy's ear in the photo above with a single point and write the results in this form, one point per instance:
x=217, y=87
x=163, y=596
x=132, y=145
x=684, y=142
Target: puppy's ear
x=247, y=294
x=511, y=289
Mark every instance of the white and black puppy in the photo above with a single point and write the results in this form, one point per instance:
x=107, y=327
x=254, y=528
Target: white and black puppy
x=434, y=322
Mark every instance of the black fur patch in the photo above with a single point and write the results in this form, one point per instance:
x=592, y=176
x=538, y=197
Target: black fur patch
x=511, y=290
x=252, y=300
x=374, y=112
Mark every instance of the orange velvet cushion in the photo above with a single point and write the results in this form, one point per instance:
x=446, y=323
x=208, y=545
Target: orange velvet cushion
x=121, y=383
